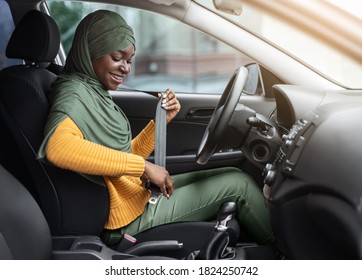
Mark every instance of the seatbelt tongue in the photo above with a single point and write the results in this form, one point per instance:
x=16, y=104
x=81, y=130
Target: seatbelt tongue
x=155, y=192
x=160, y=148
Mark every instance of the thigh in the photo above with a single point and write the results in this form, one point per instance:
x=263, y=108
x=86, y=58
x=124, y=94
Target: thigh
x=197, y=197
x=181, y=180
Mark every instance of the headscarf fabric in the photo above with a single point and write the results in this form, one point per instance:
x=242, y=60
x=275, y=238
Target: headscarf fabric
x=78, y=94
x=98, y=34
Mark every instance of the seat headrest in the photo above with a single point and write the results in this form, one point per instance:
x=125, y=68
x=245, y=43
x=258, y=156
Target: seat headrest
x=36, y=38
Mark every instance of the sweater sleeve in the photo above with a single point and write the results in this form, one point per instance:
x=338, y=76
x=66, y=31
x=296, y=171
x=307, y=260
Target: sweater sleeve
x=68, y=149
x=144, y=143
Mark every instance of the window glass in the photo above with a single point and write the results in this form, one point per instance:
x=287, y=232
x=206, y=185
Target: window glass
x=304, y=41
x=168, y=53
x=6, y=29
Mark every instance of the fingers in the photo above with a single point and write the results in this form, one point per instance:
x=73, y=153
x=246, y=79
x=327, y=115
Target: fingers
x=167, y=187
x=170, y=101
x=170, y=104
x=166, y=190
x=159, y=176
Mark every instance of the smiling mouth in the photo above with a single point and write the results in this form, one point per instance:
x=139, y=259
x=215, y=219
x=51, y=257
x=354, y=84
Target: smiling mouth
x=117, y=78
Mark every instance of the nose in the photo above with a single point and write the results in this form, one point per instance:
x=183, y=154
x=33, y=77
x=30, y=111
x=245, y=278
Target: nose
x=124, y=66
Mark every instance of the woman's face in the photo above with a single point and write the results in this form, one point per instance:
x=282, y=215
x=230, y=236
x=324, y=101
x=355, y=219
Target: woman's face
x=112, y=68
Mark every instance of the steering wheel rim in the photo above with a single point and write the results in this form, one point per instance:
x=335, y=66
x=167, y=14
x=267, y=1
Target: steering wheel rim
x=221, y=115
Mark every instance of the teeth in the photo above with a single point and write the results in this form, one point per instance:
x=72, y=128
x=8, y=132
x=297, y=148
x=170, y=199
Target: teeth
x=117, y=77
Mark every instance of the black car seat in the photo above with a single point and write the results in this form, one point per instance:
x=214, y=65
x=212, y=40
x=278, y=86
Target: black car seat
x=25, y=235
x=70, y=203
x=24, y=109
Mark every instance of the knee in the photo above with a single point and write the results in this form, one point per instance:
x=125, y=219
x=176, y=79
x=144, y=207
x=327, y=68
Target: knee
x=241, y=179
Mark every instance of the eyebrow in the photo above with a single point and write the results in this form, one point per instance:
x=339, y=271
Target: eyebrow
x=124, y=53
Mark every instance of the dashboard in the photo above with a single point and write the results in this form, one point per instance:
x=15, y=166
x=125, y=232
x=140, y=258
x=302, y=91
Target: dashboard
x=313, y=186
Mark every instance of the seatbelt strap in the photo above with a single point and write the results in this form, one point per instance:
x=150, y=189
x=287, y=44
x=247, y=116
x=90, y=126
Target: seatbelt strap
x=160, y=147
x=160, y=135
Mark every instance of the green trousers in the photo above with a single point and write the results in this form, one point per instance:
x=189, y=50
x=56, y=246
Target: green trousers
x=198, y=196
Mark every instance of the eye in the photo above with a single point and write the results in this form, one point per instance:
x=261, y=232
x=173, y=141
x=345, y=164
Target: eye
x=129, y=62
x=116, y=59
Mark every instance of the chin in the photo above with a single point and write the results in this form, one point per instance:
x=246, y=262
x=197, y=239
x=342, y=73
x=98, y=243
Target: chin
x=111, y=87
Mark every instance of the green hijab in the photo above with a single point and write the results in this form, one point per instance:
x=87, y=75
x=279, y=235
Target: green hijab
x=78, y=94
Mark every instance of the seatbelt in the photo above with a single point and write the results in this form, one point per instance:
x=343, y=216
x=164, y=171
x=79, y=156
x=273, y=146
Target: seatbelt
x=160, y=135
x=160, y=159
x=160, y=148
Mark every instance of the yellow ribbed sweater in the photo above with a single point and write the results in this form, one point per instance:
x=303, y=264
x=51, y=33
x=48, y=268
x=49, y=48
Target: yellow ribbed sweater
x=121, y=171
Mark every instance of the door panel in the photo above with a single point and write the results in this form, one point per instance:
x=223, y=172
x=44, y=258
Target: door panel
x=185, y=132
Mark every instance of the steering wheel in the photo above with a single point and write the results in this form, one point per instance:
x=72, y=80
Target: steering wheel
x=221, y=115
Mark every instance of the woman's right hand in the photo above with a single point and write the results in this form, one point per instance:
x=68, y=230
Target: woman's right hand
x=160, y=177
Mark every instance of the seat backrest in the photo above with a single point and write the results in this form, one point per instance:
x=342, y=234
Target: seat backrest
x=70, y=203
x=24, y=233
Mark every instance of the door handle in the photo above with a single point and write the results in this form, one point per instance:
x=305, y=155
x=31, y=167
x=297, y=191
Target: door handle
x=200, y=114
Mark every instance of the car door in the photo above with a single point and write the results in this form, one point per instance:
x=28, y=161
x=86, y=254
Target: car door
x=185, y=132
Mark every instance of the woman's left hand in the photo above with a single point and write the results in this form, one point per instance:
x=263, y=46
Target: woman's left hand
x=170, y=104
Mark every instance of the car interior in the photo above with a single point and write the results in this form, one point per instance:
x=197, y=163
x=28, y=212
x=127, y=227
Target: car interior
x=67, y=199
x=308, y=161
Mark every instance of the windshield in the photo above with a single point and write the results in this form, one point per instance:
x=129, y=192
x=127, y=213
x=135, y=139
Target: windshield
x=326, y=35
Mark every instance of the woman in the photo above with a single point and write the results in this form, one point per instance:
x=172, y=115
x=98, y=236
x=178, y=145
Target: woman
x=87, y=133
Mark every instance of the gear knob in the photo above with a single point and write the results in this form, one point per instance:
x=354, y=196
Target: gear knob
x=226, y=213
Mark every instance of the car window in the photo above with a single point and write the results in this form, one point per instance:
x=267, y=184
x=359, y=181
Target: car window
x=6, y=28
x=289, y=26
x=168, y=53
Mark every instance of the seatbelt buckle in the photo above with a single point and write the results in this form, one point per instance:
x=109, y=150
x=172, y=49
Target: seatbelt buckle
x=155, y=192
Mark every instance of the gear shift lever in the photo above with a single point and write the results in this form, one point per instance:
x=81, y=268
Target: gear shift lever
x=216, y=245
x=226, y=213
